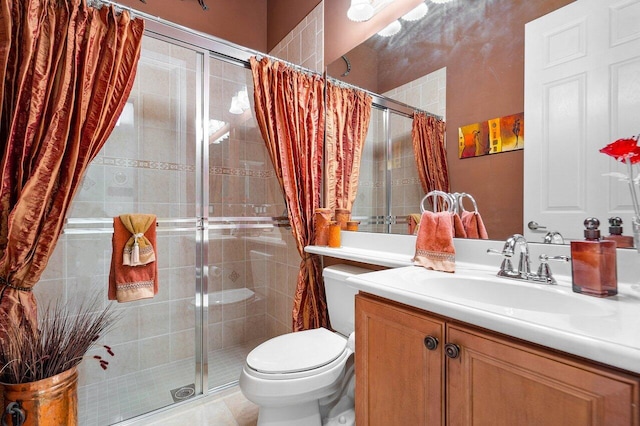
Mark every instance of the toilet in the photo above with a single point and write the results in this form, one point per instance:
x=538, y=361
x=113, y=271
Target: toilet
x=307, y=378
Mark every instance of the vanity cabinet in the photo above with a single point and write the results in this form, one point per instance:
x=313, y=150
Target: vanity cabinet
x=475, y=377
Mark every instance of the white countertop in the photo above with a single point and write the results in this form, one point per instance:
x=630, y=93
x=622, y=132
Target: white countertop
x=392, y=251
x=606, y=330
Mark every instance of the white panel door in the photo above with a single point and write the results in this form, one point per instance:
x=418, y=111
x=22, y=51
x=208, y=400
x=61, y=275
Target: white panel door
x=582, y=91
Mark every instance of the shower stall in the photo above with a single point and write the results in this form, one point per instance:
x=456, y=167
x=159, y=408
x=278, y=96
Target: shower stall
x=187, y=149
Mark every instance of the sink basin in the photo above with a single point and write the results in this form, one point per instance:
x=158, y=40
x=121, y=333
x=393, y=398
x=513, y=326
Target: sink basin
x=506, y=296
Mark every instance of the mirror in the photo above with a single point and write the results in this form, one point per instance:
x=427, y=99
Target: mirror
x=481, y=45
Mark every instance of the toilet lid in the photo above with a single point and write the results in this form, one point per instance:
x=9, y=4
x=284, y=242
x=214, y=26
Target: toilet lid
x=293, y=352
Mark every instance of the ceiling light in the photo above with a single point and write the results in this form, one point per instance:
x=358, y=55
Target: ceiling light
x=215, y=125
x=440, y=1
x=243, y=99
x=235, y=106
x=391, y=29
x=416, y=13
x=360, y=10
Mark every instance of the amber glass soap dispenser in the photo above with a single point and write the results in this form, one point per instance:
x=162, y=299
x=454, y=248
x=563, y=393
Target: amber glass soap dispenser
x=593, y=263
x=615, y=234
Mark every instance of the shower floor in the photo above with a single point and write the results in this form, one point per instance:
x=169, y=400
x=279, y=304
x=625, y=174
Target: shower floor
x=119, y=399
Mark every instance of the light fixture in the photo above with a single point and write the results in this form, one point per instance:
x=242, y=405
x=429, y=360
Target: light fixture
x=363, y=10
x=416, y=13
x=218, y=131
x=360, y=10
x=235, y=106
x=440, y=1
x=243, y=99
x=391, y=29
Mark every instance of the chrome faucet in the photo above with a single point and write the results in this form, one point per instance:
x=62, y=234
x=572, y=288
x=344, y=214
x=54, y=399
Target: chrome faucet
x=543, y=276
x=508, y=251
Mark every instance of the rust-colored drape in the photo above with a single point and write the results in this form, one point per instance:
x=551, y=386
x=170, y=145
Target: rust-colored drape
x=66, y=71
x=290, y=113
x=427, y=135
x=348, y=114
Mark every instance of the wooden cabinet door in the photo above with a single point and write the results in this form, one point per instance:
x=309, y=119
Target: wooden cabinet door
x=497, y=382
x=398, y=380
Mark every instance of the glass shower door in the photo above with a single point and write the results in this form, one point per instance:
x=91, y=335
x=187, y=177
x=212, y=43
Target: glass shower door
x=245, y=241
x=148, y=165
x=369, y=206
x=406, y=191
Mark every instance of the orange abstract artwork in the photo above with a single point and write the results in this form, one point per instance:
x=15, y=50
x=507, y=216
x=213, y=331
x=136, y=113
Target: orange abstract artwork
x=491, y=136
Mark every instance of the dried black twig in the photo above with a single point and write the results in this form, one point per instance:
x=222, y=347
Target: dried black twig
x=62, y=340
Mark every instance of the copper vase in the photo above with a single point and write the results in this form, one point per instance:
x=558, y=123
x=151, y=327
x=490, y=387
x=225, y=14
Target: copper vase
x=48, y=402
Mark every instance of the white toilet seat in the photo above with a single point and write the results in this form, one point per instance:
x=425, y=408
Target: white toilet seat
x=296, y=355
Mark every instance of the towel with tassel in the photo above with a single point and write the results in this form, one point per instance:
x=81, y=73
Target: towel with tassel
x=434, y=245
x=134, y=269
x=474, y=226
x=138, y=250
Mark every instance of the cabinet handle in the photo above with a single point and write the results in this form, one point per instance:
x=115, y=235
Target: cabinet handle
x=431, y=342
x=452, y=350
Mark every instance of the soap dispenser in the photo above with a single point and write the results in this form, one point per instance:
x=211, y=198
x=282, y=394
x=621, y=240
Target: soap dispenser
x=615, y=231
x=593, y=263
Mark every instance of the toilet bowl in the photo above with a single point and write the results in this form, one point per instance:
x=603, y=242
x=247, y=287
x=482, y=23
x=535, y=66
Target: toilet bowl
x=307, y=378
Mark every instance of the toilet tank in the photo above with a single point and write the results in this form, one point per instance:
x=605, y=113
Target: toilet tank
x=341, y=296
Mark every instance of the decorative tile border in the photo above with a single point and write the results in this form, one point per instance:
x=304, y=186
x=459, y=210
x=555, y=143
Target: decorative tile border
x=144, y=164
x=239, y=172
x=394, y=182
x=177, y=167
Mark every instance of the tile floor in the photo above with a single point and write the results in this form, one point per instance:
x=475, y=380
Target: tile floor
x=226, y=408
x=123, y=398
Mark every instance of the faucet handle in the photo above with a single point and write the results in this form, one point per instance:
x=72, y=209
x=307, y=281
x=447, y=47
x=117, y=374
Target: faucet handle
x=506, y=268
x=544, y=258
x=544, y=271
x=495, y=252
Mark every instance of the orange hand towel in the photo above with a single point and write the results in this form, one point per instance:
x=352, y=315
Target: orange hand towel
x=458, y=227
x=474, y=226
x=129, y=283
x=434, y=245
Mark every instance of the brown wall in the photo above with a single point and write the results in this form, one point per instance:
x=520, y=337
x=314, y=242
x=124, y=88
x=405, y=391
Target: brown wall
x=482, y=45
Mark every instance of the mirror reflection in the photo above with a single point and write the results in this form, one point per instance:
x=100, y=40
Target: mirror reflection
x=479, y=46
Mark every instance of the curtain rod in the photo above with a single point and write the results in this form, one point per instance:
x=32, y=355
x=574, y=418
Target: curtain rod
x=382, y=100
x=289, y=64
x=202, y=4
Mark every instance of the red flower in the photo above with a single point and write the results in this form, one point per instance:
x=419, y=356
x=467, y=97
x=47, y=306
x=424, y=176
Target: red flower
x=623, y=149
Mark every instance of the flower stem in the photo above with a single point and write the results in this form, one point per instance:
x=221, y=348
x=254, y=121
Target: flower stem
x=632, y=188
